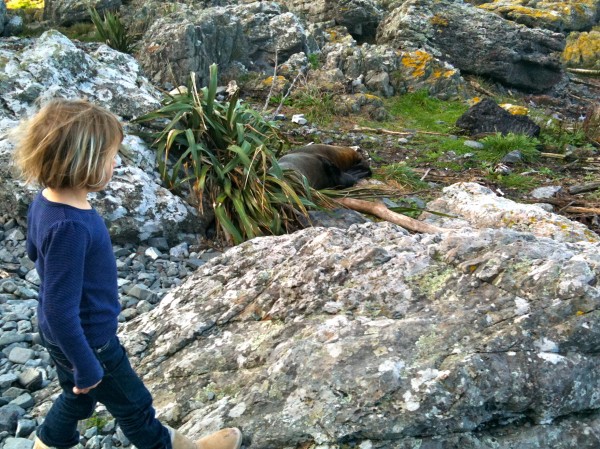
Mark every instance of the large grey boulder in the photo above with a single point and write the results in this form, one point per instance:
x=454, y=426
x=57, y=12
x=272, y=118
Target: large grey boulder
x=360, y=17
x=370, y=337
x=575, y=15
x=69, y=12
x=237, y=38
x=477, y=42
x=386, y=71
x=134, y=204
x=53, y=66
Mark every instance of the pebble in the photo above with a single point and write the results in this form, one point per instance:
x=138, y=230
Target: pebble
x=473, y=144
x=146, y=274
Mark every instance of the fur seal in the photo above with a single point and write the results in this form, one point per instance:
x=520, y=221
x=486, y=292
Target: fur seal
x=327, y=166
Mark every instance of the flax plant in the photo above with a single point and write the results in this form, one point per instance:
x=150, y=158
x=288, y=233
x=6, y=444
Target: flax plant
x=228, y=153
x=111, y=30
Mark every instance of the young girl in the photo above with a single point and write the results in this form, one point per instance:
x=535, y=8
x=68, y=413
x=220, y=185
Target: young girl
x=69, y=148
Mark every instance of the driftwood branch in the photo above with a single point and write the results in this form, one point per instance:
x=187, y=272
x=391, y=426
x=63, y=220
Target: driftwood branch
x=582, y=188
x=479, y=88
x=395, y=133
x=581, y=210
x=378, y=209
x=584, y=71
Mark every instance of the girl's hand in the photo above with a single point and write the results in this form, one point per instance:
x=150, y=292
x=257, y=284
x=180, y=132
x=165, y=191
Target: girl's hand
x=78, y=390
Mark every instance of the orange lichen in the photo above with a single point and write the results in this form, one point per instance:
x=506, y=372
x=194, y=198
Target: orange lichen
x=417, y=61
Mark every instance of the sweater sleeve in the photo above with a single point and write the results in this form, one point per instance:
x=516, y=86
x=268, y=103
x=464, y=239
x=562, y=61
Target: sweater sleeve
x=65, y=247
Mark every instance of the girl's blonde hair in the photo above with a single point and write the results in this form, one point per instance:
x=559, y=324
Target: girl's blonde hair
x=67, y=144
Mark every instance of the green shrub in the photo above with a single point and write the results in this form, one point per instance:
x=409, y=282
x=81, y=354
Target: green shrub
x=497, y=146
x=401, y=174
x=317, y=106
x=112, y=31
x=224, y=151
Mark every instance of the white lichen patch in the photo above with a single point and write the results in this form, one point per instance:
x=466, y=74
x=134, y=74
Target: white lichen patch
x=551, y=357
x=546, y=345
x=334, y=349
x=428, y=377
x=410, y=402
x=238, y=410
x=522, y=306
x=392, y=366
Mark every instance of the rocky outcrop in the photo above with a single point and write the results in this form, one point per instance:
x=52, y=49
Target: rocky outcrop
x=360, y=17
x=386, y=71
x=487, y=117
x=470, y=204
x=476, y=42
x=136, y=206
x=562, y=16
x=583, y=50
x=237, y=38
x=371, y=337
x=69, y=12
x=53, y=66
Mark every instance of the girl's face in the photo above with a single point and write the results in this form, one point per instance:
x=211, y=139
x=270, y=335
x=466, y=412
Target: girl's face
x=109, y=165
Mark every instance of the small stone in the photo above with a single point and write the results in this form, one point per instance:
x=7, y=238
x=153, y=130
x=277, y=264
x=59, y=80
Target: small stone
x=159, y=243
x=279, y=117
x=542, y=193
x=18, y=443
x=94, y=442
x=21, y=355
x=6, y=380
x=473, y=144
x=25, y=427
x=33, y=277
x=13, y=393
x=143, y=293
x=25, y=401
x=15, y=235
x=153, y=253
x=514, y=157
x=31, y=379
x=299, y=119
x=91, y=432
x=9, y=416
x=180, y=251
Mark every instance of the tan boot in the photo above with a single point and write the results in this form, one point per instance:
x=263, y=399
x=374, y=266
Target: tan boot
x=230, y=438
x=38, y=444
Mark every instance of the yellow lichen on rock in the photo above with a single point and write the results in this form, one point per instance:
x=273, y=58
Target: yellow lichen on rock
x=515, y=109
x=417, y=61
x=557, y=15
x=583, y=50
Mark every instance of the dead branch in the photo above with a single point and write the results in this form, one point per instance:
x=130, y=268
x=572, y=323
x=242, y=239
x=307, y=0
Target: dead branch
x=396, y=133
x=581, y=210
x=584, y=71
x=273, y=80
x=582, y=188
x=479, y=88
x=378, y=209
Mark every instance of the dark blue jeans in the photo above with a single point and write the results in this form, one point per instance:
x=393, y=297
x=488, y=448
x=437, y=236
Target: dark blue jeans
x=121, y=391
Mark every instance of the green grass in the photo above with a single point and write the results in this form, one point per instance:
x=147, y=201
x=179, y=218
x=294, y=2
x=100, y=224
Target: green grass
x=401, y=174
x=318, y=107
x=420, y=111
x=497, y=146
x=514, y=181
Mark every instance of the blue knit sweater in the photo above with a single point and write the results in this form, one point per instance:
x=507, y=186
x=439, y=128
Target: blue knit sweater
x=78, y=299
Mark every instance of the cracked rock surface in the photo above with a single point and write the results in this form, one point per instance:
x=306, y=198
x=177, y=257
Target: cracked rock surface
x=479, y=337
